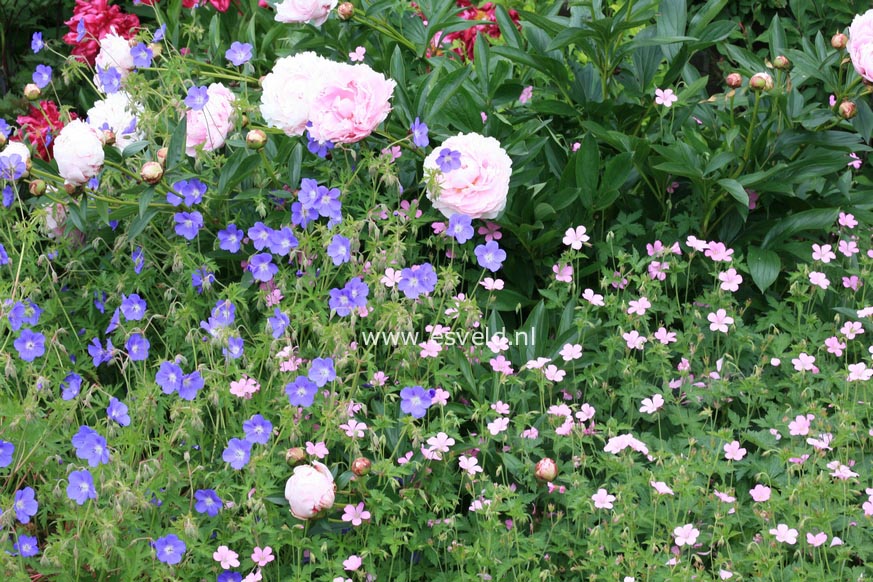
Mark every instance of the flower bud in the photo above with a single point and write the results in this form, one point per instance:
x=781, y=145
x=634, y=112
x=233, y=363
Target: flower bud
x=152, y=172
x=108, y=137
x=546, y=470
x=734, y=80
x=848, y=110
x=162, y=156
x=361, y=466
x=294, y=456
x=345, y=10
x=256, y=139
x=761, y=82
x=244, y=120
x=37, y=187
x=781, y=62
x=156, y=49
x=839, y=41
x=310, y=490
x=32, y=92
x=3, y=140
x=70, y=189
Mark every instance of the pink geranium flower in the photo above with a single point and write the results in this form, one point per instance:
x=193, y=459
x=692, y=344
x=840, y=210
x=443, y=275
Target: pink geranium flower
x=262, y=557
x=665, y=97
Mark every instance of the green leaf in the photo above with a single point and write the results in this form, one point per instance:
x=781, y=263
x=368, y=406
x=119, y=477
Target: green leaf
x=736, y=190
x=764, y=267
x=816, y=219
x=617, y=171
x=240, y=164
x=481, y=62
x=672, y=24
x=295, y=161
x=138, y=224
x=447, y=87
x=508, y=29
x=144, y=199
x=588, y=170
x=176, y=149
x=705, y=15
x=134, y=148
x=777, y=38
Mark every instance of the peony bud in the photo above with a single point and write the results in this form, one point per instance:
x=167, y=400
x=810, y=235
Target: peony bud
x=244, y=121
x=70, y=189
x=734, y=80
x=839, y=41
x=546, y=470
x=108, y=137
x=345, y=10
x=32, y=92
x=152, y=172
x=256, y=139
x=361, y=466
x=294, y=456
x=310, y=490
x=761, y=82
x=156, y=49
x=162, y=156
x=37, y=187
x=781, y=62
x=848, y=110
x=3, y=140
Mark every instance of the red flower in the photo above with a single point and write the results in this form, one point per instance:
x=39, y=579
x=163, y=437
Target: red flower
x=220, y=5
x=100, y=19
x=40, y=127
x=468, y=36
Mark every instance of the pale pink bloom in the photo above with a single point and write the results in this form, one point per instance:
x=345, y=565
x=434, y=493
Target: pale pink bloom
x=819, y=279
x=571, y=352
x=835, y=541
x=208, y=127
x=483, y=116
x=618, y=443
x=352, y=563
x=848, y=247
x=576, y=145
x=501, y=365
x=760, y=493
x=855, y=161
x=405, y=458
x=658, y=248
x=498, y=343
x=559, y=410
x=634, y=340
x=835, y=346
x=658, y=270
x=823, y=442
x=441, y=442
x=469, y=464
x=661, y=487
x=602, y=499
x=253, y=576
x=800, y=425
x=492, y=284
x=498, y=425
x=566, y=428
x=379, y=378
x=298, y=11
x=852, y=282
x=593, y=298
x=430, y=349
x=318, y=449
x=832, y=100
x=438, y=227
x=586, y=413
x=672, y=187
x=537, y=364
x=686, y=535
x=563, y=273
x=823, y=253
x=500, y=407
x=530, y=433
x=576, y=237
x=652, y=405
x=490, y=230
x=664, y=336
x=526, y=94
x=245, y=387
x=841, y=471
x=852, y=329
x=730, y=280
x=683, y=365
x=817, y=539
x=775, y=362
x=262, y=557
x=273, y=298
x=665, y=97
x=639, y=306
x=725, y=574
x=554, y=374
x=478, y=188
x=393, y=152
x=440, y=397
x=804, y=362
x=391, y=277
x=353, y=428
x=859, y=372
x=696, y=244
x=355, y=514
x=718, y=252
x=226, y=557
x=847, y=220
x=784, y=534
x=78, y=152
x=867, y=311
x=733, y=451
x=724, y=497
x=358, y=55
x=719, y=321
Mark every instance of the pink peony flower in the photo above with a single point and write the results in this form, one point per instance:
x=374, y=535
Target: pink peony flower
x=477, y=188
x=310, y=490
x=860, y=45
x=78, y=152
x=314, y=12
x=350, y=104
x=209, y=126
x=290, y=88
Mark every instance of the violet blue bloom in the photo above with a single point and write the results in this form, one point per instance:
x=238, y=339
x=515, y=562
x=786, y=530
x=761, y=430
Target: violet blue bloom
x=202, y=279
x=258, y=430
x=301, y=392
x=81, y=487
x=91, y=446
x=25, y=505
x=169, y=549
x=230, y=239
x=238, y=453
x=262, y=267
x=208, y=502
x=26, y=546
x=6, y=451
x=137, y=347
x=142, y=56
x=339, y=249
x=169, y=377
x=415, y=400
x=460, y=228
x=278, y=323
x=234, y=349
x=191, y=384
x=110, y=79
x=117, y=411
x=138, y=260
x=260, y=234
x=197, y=98
x=188, y=224
x=321, y=371
x=30, y=345
x=417, y=280
x=70, y=386
x=490, y=256
x=133, y=307
x=36, y=42
x=42, y=76
x=21, y=314
x=419, y=134
x=239, y=53
x=282, y=241
x=448, y=160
